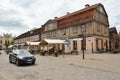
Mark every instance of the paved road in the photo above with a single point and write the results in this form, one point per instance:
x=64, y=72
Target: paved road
x=67, y=68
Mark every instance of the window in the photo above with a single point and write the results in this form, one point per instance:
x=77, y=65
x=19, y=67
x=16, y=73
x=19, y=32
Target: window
x=97, y=15
x=98, y=27
x=83, y=28
x=64, y=32
x=105, y=30
x=101, y=10
x=6, y=42
x=74, y=30
x=105, y=19
x=67, y=45
x=54, y=33
x=47, y=27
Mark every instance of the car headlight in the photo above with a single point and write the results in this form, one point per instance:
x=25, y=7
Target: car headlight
x=21, y=57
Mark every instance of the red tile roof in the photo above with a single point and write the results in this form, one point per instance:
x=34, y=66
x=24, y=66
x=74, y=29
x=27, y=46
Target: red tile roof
x=80, y=11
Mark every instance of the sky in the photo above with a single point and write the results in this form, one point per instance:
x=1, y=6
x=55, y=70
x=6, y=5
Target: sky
x=19, y=16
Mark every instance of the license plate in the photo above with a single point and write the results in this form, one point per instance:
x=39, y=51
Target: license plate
x=29, y=60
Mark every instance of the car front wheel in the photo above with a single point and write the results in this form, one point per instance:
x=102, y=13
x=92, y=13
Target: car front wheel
x=10, y=61
x=17, y=62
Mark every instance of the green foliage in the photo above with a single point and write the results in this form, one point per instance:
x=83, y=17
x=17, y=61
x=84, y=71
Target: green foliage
x=11, y=42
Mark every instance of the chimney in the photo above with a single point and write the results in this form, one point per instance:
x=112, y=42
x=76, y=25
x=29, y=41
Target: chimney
x=87, y=5
x=55, y=17
x=68, y=13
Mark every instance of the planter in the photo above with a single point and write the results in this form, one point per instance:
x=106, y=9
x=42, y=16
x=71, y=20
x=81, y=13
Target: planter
x=115, y=51
x=56, y=54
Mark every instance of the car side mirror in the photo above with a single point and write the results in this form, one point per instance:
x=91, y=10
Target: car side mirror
x=15, y=54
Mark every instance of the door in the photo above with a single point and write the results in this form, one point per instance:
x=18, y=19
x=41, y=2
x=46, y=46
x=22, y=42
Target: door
x=74, y=45
x=13, y=57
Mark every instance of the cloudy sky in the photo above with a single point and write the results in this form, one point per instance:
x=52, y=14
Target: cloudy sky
x=18, y=16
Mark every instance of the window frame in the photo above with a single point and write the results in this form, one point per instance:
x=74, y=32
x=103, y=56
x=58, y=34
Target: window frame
x=64, y=32
x=83, y=28
x=75, y=30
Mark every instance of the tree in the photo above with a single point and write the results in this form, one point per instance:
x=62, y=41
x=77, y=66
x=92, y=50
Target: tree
x=11, y=42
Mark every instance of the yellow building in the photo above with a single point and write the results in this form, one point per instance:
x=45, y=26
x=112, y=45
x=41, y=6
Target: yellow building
x=5, y=40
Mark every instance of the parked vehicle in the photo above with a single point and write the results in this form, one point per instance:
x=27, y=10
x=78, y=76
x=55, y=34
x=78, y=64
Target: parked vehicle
x=21, y=56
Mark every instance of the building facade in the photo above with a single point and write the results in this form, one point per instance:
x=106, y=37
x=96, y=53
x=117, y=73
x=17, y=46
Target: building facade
x=89, y=25
x=114, y=39
x=90, y=22
x=27, y=39
x=33, y=36
x=118, y=38
x=5, y=41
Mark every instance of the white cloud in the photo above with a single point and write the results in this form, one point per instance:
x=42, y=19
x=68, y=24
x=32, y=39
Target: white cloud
x=26, y=14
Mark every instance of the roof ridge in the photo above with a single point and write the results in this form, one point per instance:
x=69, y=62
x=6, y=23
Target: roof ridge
x=79, y=11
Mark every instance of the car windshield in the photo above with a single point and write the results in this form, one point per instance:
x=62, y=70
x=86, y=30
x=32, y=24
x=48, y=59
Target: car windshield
x=23, y=52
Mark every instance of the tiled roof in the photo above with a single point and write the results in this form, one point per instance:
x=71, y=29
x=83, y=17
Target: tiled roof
x=113, y=29
x=36, y=31
x=29, y=33
x=80, y=11
x=21, y=36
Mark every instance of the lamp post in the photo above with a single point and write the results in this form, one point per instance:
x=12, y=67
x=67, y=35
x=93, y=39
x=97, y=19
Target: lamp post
x=83, y=45
x=92, y=46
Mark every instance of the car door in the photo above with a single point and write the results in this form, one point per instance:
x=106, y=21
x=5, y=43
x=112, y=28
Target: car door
x=14, y=56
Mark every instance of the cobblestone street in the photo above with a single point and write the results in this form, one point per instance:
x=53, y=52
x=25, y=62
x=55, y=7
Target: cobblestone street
x=71, y=67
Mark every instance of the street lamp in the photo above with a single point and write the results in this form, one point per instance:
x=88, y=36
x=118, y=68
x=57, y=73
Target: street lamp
x=83, y=45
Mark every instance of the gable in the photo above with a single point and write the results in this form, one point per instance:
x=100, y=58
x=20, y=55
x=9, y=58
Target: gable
x=101, y=9
x=101, y=15
x=50, y=24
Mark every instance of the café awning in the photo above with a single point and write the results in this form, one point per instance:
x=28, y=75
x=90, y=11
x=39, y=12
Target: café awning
x=33, y=43
x=52, y=41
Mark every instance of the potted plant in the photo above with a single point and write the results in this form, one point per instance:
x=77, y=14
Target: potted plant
x=56, y=53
